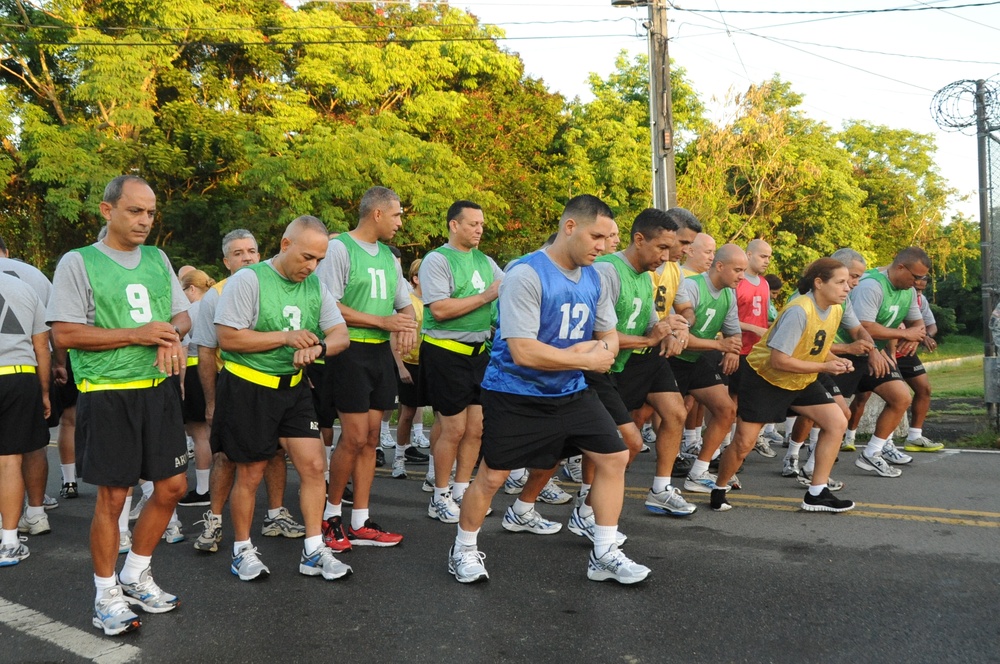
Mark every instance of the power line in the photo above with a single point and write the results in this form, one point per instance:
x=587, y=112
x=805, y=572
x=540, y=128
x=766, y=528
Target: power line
x=305, y=42
x=963, y=18
x=884, y=10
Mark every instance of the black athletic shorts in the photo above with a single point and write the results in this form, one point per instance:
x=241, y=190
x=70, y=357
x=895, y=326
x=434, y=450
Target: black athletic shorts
x=249, y=418
x=860, y=380
x=645, y=374
x=762, y=402
x=703, y=373
x=605, y=386
x=736, y=376
x=449, y=381
x=62, y=397
x=194, y=396
x=827, y=381
x=361, y=378
x=536, y=432
x=910, y=366
x=409, y=393
x=22, y=415
x=325, y=413
x=122, y=435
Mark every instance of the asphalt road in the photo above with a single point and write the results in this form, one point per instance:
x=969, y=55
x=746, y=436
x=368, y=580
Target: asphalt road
x=910, y=575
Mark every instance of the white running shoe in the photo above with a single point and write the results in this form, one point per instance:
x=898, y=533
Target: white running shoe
x=12, y=555
x=513, y=486
x=173, y=533
x=553, y=495
x=147, y=594
x=703, y=483
x=322, y=562
x=573, y=470
x=616, y=566
x=112, y=613
x=529, y=522
x=669, y=501
x=124, y=541
x=420, y=441
x=137, y=508
x=648, y=434
x=877, y=465
x=247, y=565
x=919, y=444
x=36, y=525
x=467, y=565
x=444, y=510
x=790, y=467
x=386, y=440
x=763, y=448
x=584, y=527
x=399, y=468
x=894, y=456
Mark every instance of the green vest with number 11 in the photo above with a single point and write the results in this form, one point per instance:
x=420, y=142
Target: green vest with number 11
x=371, y=286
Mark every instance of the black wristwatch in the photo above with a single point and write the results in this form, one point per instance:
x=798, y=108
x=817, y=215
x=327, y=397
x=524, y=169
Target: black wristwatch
x=322, y=344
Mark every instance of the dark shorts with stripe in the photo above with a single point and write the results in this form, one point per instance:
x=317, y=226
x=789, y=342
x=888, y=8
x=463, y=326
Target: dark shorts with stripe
x=605, y=386
x=645, y=374
x=860, y=380
x=22, y=415
x=361, y=378
x=194, y=396
x=122, y=435
x=409, y=393
x=762, y=402
x=536, y=432
x=449, y=381
x=249, y=418
x=910, y=366
x=703, y=373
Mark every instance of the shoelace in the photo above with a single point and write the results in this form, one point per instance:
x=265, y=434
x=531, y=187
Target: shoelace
x=115, y=605
x=248, y=555
x=474, y=556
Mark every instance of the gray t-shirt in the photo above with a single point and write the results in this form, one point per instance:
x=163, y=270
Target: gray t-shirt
x=925, y=310
x=867, y=298
x=611, y=283
x=240, y=303
x=72, y=298
x=437, y=283
x=203, y=321
x=731, y=324
x=22, y=315
x=335, y=269
x=788, y=329
x=187, y=341
x=849, y=321
x=521, y=302
x=30, y=275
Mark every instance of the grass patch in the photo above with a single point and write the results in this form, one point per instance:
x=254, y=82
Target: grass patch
x=965, y=380
x=987, y=439
x=955, y=345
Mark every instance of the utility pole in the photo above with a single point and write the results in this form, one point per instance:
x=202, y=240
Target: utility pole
x=661, y=120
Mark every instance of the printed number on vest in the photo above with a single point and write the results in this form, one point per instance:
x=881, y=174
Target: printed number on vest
x=818, y=341
x=294, y=316
x=708, y=321
x=756, y=305
x=894, y=311
x=378, y=283
x=477, y=281
x=580, y=315
x=138, y=297
x=637, y=308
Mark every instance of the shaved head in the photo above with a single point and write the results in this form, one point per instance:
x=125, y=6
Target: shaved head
x=729, y=253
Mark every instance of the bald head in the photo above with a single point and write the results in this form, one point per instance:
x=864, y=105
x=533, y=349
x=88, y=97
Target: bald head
x=303, y=246
x=729, y=266
x=758, y=257
x=304, y=223
x=701, y=253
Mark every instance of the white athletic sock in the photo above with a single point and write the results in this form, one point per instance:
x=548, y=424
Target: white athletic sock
x=521, y=508
x=383, y=428
x=466, y=539
x=312, y=543
x=9, y=538
x=458, y=490
x=793, y=450
x=418, y=429
x=201, y=480
x=147, y=489
x=813, y=436
x=68, y=472
x=769, y=427
x=273, y=514
x=914, y=434
x=810, y=465
x=874, y=446
x=849, y=435
x=332, y=510
x=816, y=489
x=30, y=511
x=518, y=473
x=133, y=567
x=439, y=494
x=123, y=517
x=400, y=451
x=660, y=484
x=690, y=435
x=585, y=511
x=358, y=518
x=174, y=517
x=604, y=539
x=789, y=425
x=239, y=545
x=102, y=583
x=699, y=467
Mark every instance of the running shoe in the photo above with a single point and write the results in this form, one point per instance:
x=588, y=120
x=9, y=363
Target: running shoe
x=826, y=502
x=669, y=501
x=371, y=534
x=584, y=527
x=682, y=466
x=211, y=534
x=847, y=446
x=773, y=437
x=146, y=594
x=137, y=508
x=124, y=541
x=466, y=565
x=173, y=533
x=922, y=444
x=69, y=491
x=386, y=440
x=529, y=522
x=195, y=499
x=691, y=447
x=49, y=503
x=12, y=555
x=718, y=501
x=877, y=465
x=805, y=479
x=763, y=448
x=428, y=485
x=413, y=455
x=419, y=440
x=645, y=449
x=399, y=468
x=790, y=467
x=36, y=525
x=513, y=486
x=648, y=434
x=444, y=510
x=282, y=525
x=894, y=456
x=322, y=562
x=615, y=566
x=380, y=457
x=573, y=470
x=553, y=495
x=700, y=483
x=247, y=565
x=112, y=613
x=334, y=535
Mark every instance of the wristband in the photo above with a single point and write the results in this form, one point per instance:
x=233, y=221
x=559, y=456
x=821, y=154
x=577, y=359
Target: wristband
x=322, y=344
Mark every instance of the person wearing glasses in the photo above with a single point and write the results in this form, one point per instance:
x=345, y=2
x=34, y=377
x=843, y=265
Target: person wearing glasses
x=885, y=302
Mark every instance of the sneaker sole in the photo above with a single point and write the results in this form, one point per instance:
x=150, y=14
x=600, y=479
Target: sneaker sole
x=513, y=492
x=174, y=540
x=848, y=448
x=724, y=507
x=274, y=532
x=315, y=571
x=691, y=487
x=867, y=466
x=151, y=609
x=479, y=578
x=438, y=517
x=786, y=474
x=659, y=509
x=922, y=449
x=401, y=476
x=200, y=503
x=29, y=531
x=825, y=508
x=600, y=575
x=357, y=542
x=560, y=501
x=765, y=455
x=206, y=548
x=130, y=627
x=516, y=528
x=582, y=532
x=263, y=574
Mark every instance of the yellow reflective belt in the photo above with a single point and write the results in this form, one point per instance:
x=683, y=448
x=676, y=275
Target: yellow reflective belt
x=16, y=369
x=192, y=361
x=87, y=386
x=368, y=341
x=456, y=346
x=263, y=379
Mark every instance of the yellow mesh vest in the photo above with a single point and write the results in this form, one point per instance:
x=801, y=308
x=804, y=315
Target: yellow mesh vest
x=665, y=288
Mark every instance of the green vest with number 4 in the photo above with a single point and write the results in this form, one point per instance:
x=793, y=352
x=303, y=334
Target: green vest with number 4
x=371, y=286
x=282, y=306
x=708, y=315
x=895, y=304
x=634, y=307
x=472, y=273
x=123, y=298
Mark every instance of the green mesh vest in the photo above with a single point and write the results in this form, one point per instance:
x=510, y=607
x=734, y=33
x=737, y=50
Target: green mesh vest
x=472, y=273
x=708, y=315
x=370, y=287
x=634, y=307
x=283, y=306
x=124, y=298
x=895, y=304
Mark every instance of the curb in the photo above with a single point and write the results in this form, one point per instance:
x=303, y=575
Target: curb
x=953, y=362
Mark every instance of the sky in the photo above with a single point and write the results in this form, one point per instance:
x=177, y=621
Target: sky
x=563, y=41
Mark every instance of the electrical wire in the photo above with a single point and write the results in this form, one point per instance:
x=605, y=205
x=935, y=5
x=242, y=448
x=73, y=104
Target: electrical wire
x=827, y=12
